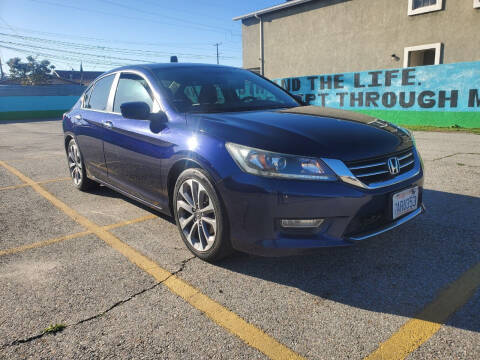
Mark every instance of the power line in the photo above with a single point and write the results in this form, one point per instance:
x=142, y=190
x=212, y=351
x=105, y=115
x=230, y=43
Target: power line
x=217, y=28
x=97, y=11
x=8, y=25
x=81, y=54
x=102, y=55
x=62, y=58
x=63, y=51
x=1, y=54
x=15, y=32
x=123, y=51
x=116, y=41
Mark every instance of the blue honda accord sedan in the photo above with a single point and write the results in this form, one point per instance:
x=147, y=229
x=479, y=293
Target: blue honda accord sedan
x=239, y=162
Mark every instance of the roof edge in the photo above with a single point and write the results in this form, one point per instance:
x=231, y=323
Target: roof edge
x=271, y=9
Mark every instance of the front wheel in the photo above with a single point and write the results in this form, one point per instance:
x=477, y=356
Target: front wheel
x=76, y=167
x=200, y=216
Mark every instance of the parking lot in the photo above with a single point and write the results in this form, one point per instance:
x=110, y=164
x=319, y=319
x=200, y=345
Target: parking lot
x=118, y=282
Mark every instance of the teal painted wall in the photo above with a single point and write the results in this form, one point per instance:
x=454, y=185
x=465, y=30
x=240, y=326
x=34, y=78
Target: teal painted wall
x=29, y=103
x=438, y=95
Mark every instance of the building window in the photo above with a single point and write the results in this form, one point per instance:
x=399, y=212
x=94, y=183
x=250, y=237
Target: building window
x=416, y=7
x=476, y=3
x=421, y=55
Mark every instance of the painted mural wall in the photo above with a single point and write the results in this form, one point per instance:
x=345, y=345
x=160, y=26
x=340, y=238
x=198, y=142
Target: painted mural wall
x=438, y=95
x=33, y=102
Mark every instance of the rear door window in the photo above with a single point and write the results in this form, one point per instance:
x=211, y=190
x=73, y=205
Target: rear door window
x=99, y=96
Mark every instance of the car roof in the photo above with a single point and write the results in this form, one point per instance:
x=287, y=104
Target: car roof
x=157, y=66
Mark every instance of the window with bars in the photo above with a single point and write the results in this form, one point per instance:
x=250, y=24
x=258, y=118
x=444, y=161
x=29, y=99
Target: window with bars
x=416, y=7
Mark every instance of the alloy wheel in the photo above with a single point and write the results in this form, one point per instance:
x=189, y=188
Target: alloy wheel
x=196, y=215
x=75, y=163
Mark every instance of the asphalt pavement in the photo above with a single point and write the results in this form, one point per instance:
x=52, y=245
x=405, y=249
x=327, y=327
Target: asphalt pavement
x=112, y=278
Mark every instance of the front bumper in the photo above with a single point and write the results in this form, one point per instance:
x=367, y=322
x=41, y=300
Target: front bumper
x=391, y=226
x=255, y=205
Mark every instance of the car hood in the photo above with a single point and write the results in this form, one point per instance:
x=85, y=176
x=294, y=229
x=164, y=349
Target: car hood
x=307, y=130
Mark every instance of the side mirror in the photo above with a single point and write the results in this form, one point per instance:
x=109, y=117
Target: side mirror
x=140, y=110
x=158, y=118
x=157, y=121
x=135, y=110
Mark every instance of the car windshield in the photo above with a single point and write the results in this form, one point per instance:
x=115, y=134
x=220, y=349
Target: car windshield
x=217, y=89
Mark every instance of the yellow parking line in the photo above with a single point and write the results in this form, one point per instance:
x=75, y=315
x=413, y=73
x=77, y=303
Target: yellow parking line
x=250, y=334
x=54, y=180
x=39, y=182
x=418, y=330
x=43, y=243
x=129, y=222
x=72, y=236
x=14, y=187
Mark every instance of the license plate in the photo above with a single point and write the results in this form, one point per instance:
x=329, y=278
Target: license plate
x=404, y=202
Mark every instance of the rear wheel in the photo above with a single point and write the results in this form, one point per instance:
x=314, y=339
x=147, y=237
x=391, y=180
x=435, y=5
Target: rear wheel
x=76, y=167
x=200, y=216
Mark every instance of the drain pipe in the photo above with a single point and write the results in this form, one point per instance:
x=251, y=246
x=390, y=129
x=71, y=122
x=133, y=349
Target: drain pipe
x=261, y=43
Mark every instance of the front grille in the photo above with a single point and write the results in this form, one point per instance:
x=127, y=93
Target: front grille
x=376, y=170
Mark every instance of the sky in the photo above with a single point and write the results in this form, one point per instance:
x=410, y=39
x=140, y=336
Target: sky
x=103, y=34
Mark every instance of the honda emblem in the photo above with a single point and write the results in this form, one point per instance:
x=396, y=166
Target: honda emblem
x=393, y=165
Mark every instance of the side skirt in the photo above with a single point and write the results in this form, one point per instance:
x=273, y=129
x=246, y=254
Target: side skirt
x=133, y=197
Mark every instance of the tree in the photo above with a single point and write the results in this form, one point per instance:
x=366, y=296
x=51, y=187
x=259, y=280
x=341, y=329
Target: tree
x=32, y=72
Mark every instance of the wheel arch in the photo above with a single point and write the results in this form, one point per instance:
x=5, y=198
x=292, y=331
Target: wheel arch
x=67, y=139
x=175, y=171
x=214, y=178
x=178, y=167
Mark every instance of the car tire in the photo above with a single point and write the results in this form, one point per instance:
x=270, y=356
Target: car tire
x=200, y=216
x=76, y=167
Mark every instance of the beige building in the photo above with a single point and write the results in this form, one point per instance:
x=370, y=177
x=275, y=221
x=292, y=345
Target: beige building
x=308, y=37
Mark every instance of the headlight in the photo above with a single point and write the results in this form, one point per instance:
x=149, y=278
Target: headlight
x=266, y=163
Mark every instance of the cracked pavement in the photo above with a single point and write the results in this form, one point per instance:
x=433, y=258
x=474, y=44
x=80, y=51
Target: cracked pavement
x=96, y=316
x=333, y=304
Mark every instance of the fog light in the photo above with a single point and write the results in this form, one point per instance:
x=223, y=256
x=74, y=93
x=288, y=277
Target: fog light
x=301, y=223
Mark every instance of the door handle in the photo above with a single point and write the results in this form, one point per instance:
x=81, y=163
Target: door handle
x=108, y=124
x=78, y=117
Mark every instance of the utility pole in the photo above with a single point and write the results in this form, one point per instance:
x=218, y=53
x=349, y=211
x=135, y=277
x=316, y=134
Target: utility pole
x=217, y=45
